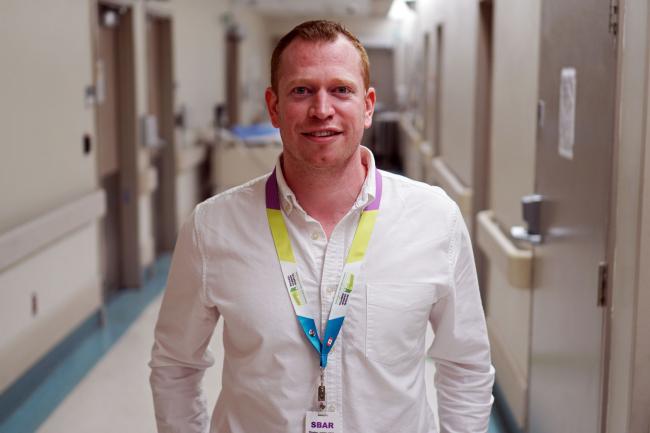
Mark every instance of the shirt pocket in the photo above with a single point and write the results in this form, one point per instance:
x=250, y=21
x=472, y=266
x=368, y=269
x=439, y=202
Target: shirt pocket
x=397, y=316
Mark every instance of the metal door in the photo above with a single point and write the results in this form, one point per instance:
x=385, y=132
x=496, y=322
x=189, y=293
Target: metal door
x=108, y=146
x=160, y=92
x=117, y=133
x=573, y=175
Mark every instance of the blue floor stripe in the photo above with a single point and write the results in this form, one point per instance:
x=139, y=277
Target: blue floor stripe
x=26, y=404
x=496, y=424
x=501, y=412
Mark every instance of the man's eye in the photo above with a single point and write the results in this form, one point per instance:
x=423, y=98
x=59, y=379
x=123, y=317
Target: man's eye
x=300, y=91
x=342, y=89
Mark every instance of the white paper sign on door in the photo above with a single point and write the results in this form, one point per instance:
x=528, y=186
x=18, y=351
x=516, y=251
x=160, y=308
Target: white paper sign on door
x=567, y=115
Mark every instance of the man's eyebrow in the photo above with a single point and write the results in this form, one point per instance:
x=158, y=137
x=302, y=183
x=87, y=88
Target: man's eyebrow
x=344, y=82
x=334, y=82
x=298, y=81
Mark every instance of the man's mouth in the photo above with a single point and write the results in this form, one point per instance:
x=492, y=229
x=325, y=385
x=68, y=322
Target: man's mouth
x=322, y=133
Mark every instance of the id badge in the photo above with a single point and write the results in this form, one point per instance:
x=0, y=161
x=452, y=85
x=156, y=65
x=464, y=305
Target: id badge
x=318, y=422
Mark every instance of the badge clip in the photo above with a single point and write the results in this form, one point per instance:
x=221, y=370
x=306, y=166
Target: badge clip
x=322, y=403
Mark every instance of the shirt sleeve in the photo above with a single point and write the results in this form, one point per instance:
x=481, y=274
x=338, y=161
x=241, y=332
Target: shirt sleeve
x=461, y=351
x=180, y=352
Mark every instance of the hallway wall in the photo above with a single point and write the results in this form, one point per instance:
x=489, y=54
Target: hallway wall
x=512, y=175
x=44, y=70
x=515, y=55
x=199, y=47
x=43, y=167
x=254, y=66
x=629, y=379
x=459, y=72
x=200, y=72
x=54, y=281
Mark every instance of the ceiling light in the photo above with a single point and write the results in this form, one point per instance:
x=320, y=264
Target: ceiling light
x=399, y=10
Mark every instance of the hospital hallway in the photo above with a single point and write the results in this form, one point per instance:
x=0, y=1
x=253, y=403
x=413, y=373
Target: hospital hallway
x=118, y=117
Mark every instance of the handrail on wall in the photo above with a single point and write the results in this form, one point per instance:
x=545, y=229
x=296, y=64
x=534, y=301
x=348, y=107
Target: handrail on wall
x=414, y=135
x=515, y=262
x=189, y=157
x=148, y=181
x=30, y=237
x=425, y=150
x=448, y=181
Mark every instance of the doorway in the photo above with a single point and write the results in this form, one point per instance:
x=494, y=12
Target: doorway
x=160, y=105
x=437, y=91
x=382, y=137
x=116, y=145
x=233, y=42
x=482, y=129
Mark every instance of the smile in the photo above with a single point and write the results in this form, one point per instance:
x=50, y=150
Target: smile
x=325, y=133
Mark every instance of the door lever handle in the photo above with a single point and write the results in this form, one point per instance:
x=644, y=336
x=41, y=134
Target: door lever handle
x=531, y=207
x=521, y=234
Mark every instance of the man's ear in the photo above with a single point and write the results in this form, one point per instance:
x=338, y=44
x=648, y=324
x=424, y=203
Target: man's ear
x=272, y=106
x=371, y=97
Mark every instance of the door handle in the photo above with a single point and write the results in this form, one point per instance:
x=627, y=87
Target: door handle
x=531, y=209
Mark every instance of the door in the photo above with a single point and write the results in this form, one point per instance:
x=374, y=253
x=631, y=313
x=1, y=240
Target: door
x=108, y=146
x=577, y=84
x=160, y=105
x=112, y=32
x=381, y=138
x=437, y=91
x=382, y=77
x=482, y=131
x=233, y=41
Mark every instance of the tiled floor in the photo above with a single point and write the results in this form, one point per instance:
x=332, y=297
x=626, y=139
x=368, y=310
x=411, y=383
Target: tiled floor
x=114, y=395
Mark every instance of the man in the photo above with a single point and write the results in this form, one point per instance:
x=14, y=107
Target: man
x=325, y=273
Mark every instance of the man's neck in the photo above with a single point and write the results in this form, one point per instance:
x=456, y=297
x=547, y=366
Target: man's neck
x=326, y=194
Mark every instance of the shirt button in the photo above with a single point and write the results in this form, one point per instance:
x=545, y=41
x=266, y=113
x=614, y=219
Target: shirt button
x=287, y=207
x=315, y=236
x=332, y=407
x=331, y=289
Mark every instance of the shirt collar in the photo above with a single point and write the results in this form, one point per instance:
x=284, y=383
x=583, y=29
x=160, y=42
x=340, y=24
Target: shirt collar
x=366, y=195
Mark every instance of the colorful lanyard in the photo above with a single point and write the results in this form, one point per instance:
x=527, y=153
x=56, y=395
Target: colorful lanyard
x=305, y=312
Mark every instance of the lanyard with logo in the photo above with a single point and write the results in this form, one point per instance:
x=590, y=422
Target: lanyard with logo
x=305, y=312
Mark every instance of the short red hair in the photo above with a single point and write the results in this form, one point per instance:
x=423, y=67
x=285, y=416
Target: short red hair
x=318, y=31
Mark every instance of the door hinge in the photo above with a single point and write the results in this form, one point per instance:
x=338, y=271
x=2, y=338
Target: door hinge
x=613, y=17
x=603, y=277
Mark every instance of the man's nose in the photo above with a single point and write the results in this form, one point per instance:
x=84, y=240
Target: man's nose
x=321, y=106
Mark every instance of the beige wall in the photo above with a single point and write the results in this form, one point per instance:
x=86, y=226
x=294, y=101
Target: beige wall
x=459, y=72
x=254, y=66
x=640, y=417
x=199, y=47
x=629, y=380
x=514, y=107
x=372, y=31
x=199, y=56
x=65, y=279
x=512, y=175
x=45, y=67
x=459, y=21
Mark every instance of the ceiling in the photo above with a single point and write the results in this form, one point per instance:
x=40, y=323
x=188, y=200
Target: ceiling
x=360, y=8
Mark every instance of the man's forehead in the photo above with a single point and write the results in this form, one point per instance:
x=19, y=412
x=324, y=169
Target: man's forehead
x=304, y=53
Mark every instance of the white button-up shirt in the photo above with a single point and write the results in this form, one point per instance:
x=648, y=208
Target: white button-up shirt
x=419, y=269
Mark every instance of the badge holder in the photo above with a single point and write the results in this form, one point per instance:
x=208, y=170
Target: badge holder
x=322, y=421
